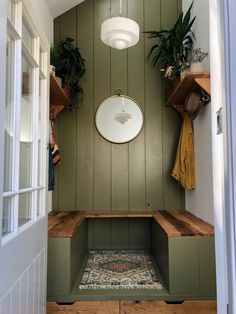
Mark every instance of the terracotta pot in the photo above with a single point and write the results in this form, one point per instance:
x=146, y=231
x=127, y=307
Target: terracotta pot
x=170, y=86
x=67, y=90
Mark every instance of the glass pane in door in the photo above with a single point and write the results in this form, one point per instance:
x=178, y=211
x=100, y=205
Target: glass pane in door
x=25, y=208
x=7, y=223
x=9, y=112
x=26, y=121
x=27, y=36
x=10, y=11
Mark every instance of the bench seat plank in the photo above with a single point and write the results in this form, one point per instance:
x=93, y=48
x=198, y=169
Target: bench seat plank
x=118, y=214
x=174, y=223
x=66, y=225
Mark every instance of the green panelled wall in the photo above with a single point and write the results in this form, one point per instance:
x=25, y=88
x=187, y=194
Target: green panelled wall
x=95, y=174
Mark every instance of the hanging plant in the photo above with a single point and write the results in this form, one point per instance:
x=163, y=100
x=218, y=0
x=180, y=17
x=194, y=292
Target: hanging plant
x=70, y=67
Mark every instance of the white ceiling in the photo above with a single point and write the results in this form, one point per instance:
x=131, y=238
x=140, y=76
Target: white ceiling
x=58, y=7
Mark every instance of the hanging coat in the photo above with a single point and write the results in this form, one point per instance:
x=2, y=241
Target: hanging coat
x=184, y=168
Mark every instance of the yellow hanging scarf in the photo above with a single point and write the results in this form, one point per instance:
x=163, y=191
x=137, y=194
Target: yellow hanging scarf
x=184, y=168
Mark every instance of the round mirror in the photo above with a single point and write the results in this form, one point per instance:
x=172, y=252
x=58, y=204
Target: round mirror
x=119, y=119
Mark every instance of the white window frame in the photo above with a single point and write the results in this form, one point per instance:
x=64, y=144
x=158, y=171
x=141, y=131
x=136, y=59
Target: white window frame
x=40, y=77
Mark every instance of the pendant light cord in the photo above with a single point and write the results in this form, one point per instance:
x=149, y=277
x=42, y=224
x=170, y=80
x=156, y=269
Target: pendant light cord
x=120, y=7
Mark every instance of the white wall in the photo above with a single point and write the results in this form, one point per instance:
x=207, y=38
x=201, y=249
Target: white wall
x=200, y=201
x=44, y=17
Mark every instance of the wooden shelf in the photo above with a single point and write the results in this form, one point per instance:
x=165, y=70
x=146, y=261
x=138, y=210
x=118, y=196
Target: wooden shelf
x=191, y=82
x=57, y=95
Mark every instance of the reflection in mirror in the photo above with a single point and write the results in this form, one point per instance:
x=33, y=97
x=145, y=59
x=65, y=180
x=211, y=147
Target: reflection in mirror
x=119, y=119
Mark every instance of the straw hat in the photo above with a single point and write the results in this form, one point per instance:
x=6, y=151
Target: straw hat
x=193, y=104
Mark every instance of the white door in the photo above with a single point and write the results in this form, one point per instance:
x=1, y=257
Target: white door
x=223, y=73
x=228, y=9
x=23, y=160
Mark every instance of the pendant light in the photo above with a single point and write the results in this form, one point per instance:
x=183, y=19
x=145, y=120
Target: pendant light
x=120, y=32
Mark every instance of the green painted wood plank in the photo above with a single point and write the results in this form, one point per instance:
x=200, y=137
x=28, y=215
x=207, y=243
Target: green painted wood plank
x=67, y=146
x=78, y=251
x=90, y=234
x=58, y=279
x=171, y=127
x=102, y=148
x=68, y=24
x=137, y=182
x=67, y=135
x=120, y=235
x=139, y=233
x=56, y=25
x=160, y=249
x=102, y=234
x=85, y=116
x=207, y=273
x=183, y=266
x=119, y=152
x=153, y=113
x=119, y=177
x=179, y=9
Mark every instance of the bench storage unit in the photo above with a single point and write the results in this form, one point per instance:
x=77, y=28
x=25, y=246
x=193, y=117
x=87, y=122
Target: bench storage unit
x=182, y=244
x=67, y=250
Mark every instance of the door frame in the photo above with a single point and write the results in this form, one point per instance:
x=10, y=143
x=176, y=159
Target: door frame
x=223, y=81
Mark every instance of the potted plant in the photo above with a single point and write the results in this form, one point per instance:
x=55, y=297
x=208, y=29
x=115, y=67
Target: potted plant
x=70, y=67
x=196, y=58
x=173, y=46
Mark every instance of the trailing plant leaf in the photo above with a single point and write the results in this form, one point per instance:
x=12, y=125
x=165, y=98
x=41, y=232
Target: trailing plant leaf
x=70, y=67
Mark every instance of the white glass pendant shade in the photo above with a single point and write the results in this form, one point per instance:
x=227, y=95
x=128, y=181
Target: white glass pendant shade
x=123, y=117
x=120, y=32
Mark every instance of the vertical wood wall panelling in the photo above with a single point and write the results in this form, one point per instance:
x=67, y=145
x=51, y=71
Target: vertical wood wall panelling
x=139, y=233
x=136, y=63
x=102, y=86
x=119, y=152
x=55, y=205
x=95, y=174
x=85, y=116
x=119, y=176
x=67, y=129
x=179, y=7
x=153, y=113
x=102, y=234
x=137, y=161
x=171, y=125
x=120, y=234
x=102, y=148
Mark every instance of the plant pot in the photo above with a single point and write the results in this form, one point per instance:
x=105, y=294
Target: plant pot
x=183, y=74
x=67, y=90
x=197, y=67
x=170, y=86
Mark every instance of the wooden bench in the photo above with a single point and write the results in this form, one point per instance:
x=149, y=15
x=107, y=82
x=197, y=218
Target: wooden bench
x=183, y=246
x=175, y=223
